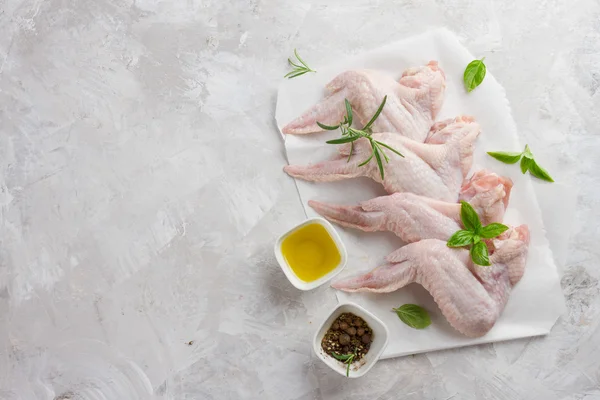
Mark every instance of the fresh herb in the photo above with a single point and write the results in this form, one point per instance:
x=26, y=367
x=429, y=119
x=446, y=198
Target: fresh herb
x=506, y=157
x=347, y=359
x=413, y=315
x=474, y=74
x=297, y=69
x=479, y=254
x=527, y=162
x=350, y=135
x=348, y=339
x=473, y=234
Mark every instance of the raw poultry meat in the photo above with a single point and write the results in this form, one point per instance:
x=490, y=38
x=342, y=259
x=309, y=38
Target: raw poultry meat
x=488, y=193
x=413, y=218
x=431, y=170
x=470, y=296
x=411, y=107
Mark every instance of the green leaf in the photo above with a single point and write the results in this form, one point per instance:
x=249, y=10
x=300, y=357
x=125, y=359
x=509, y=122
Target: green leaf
x=293, y=64
x=380, y=150
x=527, y=152
x=539, y=172
x=300, y=59
x=350, y=134
x=348, y=112
x=356, y=132
x=492, y=230
x=479, y=254
x=506, y=157
x=476, y=239
x=378, y=159
x=460, y=238
x=376, y=115
x=342, y=357
x=525, y=164
x=294, y=74
x=469, y=217
x=346, y=358
x=327, y=127
x=391, y=148
x=366, y=161
x=351, y=151
x=474, y=74
x=413, y=315
x=347, y=139
x=297, y=69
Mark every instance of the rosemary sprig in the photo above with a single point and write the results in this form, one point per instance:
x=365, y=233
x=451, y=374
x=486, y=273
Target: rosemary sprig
x=299, y=68
x=350, y=135
x=347, y=359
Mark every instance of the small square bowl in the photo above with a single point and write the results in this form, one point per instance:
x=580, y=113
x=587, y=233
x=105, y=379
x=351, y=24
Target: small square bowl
x=380, y=340
x=289, y=273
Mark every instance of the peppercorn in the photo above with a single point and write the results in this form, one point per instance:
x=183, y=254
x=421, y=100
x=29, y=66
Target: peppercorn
x=366, y=338
x=344, y=339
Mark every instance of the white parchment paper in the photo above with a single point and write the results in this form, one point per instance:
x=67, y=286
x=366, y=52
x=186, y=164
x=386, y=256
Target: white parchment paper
x=537, y=300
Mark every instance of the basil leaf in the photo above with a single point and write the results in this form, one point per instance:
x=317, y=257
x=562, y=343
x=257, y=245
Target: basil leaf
x=469, y=217
x=474, y=74
x=479, y=254
x=347, y=139
x=327, y=127
x=413, y=315
x=492, y=230
x=527, y=152
x=476, y=239
x=525, y=163
x=460, y=238
x=539, y=172
x=506, y=157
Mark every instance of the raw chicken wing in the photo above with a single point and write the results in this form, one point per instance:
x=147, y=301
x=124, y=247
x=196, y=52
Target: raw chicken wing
x=470, y=296
x=413, y=218
x=432, y=170
x=411, y=107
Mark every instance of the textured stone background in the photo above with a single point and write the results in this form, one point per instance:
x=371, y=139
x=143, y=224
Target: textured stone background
x=141, y=190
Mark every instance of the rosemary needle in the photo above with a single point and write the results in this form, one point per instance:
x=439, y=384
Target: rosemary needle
x=350, y=135
x=298, y=68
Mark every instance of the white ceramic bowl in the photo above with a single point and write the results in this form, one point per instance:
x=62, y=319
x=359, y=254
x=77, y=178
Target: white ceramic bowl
x=297, y=282
x=380, y=340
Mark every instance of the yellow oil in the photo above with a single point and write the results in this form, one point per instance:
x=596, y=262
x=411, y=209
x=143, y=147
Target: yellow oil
x=310, y=252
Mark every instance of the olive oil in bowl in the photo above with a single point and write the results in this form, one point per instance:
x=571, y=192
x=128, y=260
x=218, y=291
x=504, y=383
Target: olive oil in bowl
x=311, y=253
